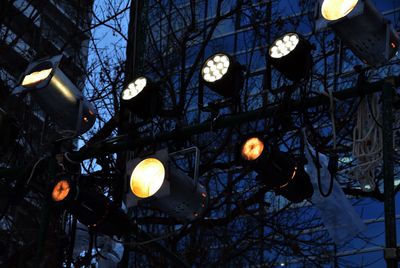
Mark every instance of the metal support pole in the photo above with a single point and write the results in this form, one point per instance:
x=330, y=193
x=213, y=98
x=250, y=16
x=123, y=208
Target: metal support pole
x=45, y=219
x=388, y=170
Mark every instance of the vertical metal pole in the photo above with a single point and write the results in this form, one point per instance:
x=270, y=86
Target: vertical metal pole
x=45, y=219
x=388, y=170
x=336, y=259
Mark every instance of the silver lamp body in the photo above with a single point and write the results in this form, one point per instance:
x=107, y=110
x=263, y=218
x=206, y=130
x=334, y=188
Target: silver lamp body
x=185, y=200
x=59, y=97
x=365, y=31
x=180, y=195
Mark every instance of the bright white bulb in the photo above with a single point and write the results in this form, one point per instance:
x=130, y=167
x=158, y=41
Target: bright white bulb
x=295, y=42
x=286, y=39
x=294, y=38
x=215, y=67
x=284, y=51
x=276, y=55
x=284, y=45
x=134, y=88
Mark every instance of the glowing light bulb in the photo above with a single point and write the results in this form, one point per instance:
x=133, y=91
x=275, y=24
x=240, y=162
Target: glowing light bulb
x=337, y=9
x=60, y=191
x=134, y=88
x=36, y=77
x=147, y=177
x=252, y=149
x=284, y=45
x=216, y=67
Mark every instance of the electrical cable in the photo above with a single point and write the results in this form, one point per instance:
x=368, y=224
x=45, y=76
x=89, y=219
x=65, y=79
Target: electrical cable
x=33, y=169
x=332, y=114
x=318, y=166
x=97, y=249
x=70, y=160
x=367, y=142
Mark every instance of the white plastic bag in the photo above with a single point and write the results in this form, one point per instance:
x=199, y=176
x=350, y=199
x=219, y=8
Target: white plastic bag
x=338, y=215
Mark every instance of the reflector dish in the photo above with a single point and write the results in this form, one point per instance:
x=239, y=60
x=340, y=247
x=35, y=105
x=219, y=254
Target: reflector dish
x=147, y=177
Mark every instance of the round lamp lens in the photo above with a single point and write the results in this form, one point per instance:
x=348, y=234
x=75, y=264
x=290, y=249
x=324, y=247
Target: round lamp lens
x=215, y=67
x=61, y=190
x=252, y=149
x=147, y=177
x=336, y=9
x=284, y=45
x=134, y=88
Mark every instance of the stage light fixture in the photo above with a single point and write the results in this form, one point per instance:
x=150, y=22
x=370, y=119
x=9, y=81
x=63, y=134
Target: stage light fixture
x=57, y=95
x=90, y=206
x=290, y=54
x=142, y=97
x=361, y=27
x=277, y=170
x=155, y=181
x=222, y=74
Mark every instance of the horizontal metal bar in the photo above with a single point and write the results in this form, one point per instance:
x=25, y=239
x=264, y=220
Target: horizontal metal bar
x=126, y=143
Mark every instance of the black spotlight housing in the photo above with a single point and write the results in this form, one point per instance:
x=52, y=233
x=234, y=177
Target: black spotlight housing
x=277, y=170
x=167, y=188
x=90, y=207
x=57, y=95
x=223, y=75
x=291, y=55
x=142, y=97
x=361, y=27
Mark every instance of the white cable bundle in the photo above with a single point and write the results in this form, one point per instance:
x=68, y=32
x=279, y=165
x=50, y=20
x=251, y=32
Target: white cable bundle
x=367, y=142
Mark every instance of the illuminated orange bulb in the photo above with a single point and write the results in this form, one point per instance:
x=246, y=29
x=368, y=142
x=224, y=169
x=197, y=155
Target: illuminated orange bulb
x=336, y=9
x=252, y=149
x=60, y=191
x=147, y=177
